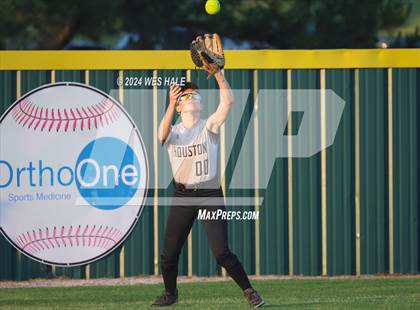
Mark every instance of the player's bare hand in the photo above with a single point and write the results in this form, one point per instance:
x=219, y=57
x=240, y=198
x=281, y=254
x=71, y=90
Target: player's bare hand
x=174, y=92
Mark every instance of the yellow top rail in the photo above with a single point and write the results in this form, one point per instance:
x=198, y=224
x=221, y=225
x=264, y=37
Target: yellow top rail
x=235, y=59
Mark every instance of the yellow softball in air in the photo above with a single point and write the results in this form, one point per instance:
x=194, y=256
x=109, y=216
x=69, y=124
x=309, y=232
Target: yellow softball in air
x=212, y=7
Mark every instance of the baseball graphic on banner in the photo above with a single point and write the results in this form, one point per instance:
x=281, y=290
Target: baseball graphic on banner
x=73, y=174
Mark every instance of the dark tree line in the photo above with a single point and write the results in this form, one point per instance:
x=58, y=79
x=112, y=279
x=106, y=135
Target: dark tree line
x=47, y=24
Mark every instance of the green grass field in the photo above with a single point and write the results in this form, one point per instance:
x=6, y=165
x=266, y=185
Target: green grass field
x=391, y=293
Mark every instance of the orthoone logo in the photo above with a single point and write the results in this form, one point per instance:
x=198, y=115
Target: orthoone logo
x=99, y=173
x=100, y=178
x=73, y=174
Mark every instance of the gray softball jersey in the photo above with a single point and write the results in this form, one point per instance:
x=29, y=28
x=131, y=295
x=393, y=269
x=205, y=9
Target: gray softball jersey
x=193, y=153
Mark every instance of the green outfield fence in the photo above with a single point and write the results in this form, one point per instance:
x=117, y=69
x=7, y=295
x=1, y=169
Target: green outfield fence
x=351, y=209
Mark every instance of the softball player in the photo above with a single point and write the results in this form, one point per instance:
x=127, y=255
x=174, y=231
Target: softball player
x=193, y=146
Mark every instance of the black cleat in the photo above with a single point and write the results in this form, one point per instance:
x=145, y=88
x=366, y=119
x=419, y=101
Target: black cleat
x=166, y=299
x=253, y=298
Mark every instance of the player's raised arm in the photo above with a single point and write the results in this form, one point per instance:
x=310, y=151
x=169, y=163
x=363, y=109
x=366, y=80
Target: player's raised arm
x=226, y=101
x=207, y=53
x=165, y=124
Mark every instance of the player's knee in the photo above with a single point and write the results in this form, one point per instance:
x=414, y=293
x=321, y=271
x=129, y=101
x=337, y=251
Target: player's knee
x=168, y=261
x=226, y=259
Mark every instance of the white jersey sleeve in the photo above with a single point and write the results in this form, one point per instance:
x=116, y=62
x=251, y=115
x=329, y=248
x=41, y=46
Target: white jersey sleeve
x=167, y=142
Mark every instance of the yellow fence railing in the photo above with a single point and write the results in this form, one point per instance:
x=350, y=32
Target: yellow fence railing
x=236, y=59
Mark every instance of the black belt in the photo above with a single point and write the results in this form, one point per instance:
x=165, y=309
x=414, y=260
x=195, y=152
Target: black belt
x=211, y=184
